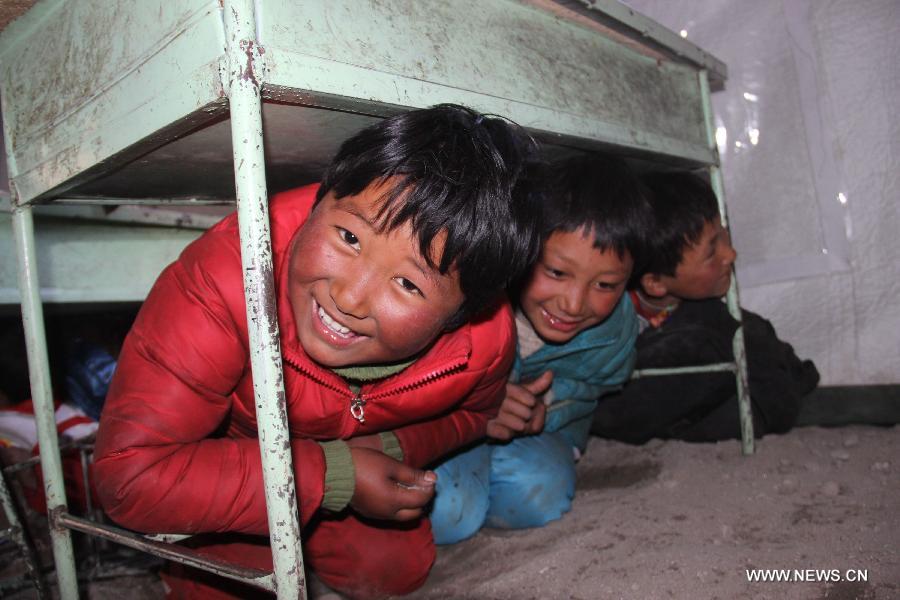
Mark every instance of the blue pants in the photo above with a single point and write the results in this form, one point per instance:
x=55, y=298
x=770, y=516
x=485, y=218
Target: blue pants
x=527, y=482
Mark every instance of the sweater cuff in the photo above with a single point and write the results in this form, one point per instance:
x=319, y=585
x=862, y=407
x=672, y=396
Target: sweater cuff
x=340, y=476
x=390, y=445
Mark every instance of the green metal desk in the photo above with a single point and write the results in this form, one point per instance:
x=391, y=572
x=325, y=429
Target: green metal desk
x=138, y=101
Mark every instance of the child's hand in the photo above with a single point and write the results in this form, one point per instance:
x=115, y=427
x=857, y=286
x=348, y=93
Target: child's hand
x=522, y=411
x=388, y=489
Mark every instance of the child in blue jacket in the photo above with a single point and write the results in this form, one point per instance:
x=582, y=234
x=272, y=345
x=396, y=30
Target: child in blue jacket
x=576, y=331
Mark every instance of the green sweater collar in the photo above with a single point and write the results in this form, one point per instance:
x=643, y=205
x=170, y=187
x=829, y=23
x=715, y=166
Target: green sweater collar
x=366, y=373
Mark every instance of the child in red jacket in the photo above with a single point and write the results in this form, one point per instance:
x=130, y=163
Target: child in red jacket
x=395, y=345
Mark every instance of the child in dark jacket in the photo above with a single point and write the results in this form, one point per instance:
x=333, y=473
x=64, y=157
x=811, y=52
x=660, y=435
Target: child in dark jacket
x=685, y=323
x=396, y=349
x=576, y=335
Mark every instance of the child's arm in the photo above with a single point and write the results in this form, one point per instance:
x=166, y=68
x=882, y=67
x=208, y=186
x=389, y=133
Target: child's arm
x=161, y=462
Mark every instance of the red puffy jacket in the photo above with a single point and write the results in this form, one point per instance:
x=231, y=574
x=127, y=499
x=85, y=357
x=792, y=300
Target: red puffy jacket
x=177, y=448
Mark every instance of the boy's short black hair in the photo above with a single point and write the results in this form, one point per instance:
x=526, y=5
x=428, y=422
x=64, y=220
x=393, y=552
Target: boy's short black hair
x=682, y=205
x=458, y=171
x=599, y=192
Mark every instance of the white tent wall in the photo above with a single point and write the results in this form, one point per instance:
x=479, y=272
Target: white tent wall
x=809, y=136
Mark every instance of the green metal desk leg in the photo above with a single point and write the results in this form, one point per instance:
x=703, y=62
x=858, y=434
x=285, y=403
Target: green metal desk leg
x=733, y=299
x=42, y=397
x=245, y=75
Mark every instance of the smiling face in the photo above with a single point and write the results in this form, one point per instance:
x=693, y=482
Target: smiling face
x=361, y=295
x=704, y=270
x=573, y=286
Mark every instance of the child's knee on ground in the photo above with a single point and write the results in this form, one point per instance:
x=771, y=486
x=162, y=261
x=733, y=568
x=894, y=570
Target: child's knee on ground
x=532, y=481
x=463, y=487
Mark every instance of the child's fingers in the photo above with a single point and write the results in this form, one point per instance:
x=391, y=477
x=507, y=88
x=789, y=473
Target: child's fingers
x=410, y=498
x=512, y=422
x=498, y=431
x=541, y=384
x=519, y=394
x=536, y=425
x=518, y=409
x=415, y=480
x=385, y=487
x=408, y=514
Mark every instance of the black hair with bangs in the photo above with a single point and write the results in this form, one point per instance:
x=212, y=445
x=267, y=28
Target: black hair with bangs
x=599, y=193
x=456, y=171
x=682, y=204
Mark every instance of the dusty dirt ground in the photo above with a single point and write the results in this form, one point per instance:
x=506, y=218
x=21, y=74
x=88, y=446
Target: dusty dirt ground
x=677, y=520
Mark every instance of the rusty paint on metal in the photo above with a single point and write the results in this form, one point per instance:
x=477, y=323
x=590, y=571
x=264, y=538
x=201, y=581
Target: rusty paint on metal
x=260, y=295
x=248, y=72
x=180, y=554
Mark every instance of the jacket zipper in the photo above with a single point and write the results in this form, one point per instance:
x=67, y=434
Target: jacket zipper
x=433, y=376
x=357, y=408
x=358, y=401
